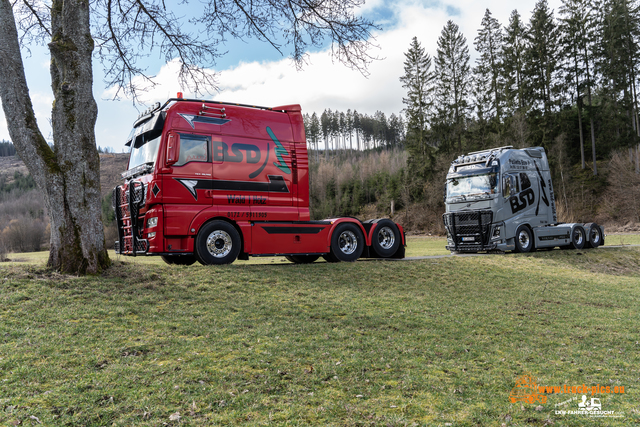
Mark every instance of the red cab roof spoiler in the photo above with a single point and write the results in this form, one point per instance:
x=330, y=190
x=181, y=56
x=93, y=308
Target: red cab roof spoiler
x=292, y=108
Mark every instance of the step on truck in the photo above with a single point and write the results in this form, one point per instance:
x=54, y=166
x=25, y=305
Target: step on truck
x=214, y=182
x=502, y=199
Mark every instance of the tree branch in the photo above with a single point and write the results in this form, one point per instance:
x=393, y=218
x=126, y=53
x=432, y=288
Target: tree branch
x=37, y=16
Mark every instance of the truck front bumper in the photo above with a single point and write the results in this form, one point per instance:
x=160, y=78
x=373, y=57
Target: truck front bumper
x=469, y=231
x=472, y=248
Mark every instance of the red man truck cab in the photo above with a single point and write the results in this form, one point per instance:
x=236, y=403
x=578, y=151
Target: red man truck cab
x=212, y=182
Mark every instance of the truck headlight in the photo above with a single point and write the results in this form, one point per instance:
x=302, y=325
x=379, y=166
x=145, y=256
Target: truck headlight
x=152, y=222
x=496, y=232
x=151, y=235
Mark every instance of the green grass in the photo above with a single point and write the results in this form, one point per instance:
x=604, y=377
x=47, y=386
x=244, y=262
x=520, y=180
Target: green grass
x=426, y=342
x=425, y=246
x=622, y=239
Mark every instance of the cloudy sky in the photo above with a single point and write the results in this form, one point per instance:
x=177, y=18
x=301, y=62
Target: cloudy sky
x=254, y=73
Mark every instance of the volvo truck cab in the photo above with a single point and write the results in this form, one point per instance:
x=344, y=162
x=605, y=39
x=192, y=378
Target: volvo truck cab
x=502, y=199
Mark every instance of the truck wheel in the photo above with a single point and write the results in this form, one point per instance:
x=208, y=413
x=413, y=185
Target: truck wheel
x=524, y=239
x=577, y=238
x=595, y=235
x=347, y=243
x=179, y=259
x=302, y=259
x=218, y=242
x=386, y=238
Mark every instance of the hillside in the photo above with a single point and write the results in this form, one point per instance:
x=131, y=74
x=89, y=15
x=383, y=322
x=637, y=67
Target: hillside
x=111, y=165
x=10, y=165
x=24, y=224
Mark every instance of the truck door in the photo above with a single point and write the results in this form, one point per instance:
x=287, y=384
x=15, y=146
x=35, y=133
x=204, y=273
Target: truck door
x=187, y=183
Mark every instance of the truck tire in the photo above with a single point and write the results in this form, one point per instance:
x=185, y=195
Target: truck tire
x=386, y=238
x=347, y=243
x=524, y=239
x=595, y=235
x=578, y=238
x=179, y=259
x=302, y=259
x=218, y=242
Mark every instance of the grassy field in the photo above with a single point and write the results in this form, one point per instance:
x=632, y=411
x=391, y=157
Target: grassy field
x=371, y=343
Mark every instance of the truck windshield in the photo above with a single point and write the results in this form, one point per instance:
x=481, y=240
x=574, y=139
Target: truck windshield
x=143, y=151
x=476, y=186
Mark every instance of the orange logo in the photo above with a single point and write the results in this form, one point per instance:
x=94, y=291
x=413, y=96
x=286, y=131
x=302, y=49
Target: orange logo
x=526, y=390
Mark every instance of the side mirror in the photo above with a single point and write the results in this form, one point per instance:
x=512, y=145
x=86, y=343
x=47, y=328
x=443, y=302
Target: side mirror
x=173, y=149
x=506, y=187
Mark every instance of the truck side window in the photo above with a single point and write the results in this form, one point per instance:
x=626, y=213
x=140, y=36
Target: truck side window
x=525, y=182
x=510, y=186
x=193, y=148
x=506, y=188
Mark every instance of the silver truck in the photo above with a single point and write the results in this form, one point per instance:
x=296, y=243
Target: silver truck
x=502, y=199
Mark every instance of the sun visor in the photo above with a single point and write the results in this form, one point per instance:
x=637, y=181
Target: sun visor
x=152, y=123
x=468, y=170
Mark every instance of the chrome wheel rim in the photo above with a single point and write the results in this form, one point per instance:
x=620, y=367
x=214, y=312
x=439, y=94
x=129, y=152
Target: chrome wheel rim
x=523, y=238
x=595, y=236
x=219, y=244
x=347, y=242
x=577, y=236
x=386, y=238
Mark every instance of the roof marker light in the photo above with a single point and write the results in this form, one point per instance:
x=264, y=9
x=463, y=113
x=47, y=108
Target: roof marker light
x=179, y=95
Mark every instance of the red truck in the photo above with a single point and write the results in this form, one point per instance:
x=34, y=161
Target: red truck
x=215, y=182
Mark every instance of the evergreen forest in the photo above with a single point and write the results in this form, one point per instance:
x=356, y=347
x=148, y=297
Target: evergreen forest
x=566, y=80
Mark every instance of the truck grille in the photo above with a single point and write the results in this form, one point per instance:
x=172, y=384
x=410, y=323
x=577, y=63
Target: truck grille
x=127, y=201
x=469, y=230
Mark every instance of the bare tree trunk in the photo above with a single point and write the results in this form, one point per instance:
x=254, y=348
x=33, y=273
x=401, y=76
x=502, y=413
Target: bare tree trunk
x=69, y=174
x=578, y=103
x=593, y=132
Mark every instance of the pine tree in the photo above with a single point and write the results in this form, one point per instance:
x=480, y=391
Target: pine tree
x=342, y=129
x=513, y=53
x=350, y=128
x=542, y=60
x=618, y=63
x=488, y=80
x=417, y=80
x=577, y=28
x=312, y=130
x=452, y=81
x=380, y=128
x=396, y=130
x=325, y=126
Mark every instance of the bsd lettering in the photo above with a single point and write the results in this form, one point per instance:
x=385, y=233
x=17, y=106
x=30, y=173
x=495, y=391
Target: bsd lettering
x=221, y=154
x=526, y=196
x=522, y=200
